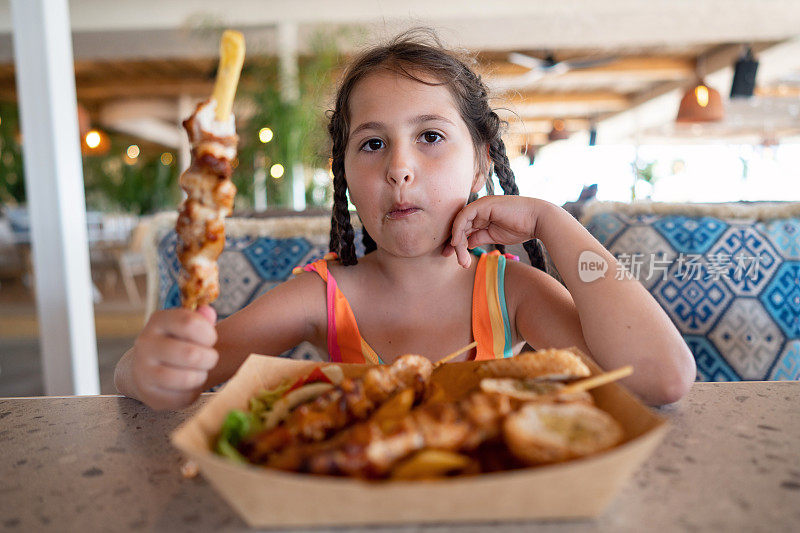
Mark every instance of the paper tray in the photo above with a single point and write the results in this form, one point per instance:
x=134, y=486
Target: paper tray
x=271, y=498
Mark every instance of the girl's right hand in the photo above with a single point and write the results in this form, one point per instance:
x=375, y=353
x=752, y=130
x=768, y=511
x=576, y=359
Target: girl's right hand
x=173, y=355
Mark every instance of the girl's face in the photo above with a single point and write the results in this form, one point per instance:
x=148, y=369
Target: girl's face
x=410, y=162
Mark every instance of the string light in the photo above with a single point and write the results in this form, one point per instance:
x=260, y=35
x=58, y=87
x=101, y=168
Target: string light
x=265, y=135
x=93, y=139
x=166, y=159
x=701, y=93
x=133, y=151
x=276, y=170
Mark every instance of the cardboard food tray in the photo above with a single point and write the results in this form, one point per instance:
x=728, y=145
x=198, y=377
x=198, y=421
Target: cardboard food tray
x=271, y=498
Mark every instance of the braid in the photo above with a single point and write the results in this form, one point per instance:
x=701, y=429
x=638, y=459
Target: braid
x=341, y=229
x=369, y=243
x=333, y=246
x=497, y=152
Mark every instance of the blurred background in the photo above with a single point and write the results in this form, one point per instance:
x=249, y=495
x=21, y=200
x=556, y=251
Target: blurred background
x=669, y=101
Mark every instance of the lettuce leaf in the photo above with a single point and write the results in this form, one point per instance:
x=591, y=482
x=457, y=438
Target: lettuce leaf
x=239, y=425
x=235, y=428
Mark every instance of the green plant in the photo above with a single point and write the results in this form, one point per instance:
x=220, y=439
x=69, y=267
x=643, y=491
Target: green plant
x=115, y=183
x=643, y=172
x=12, y=182
x=298, y=126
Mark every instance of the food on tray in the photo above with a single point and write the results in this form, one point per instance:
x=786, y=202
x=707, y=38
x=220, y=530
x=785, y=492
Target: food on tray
x=207, y=181
x=331, y=409
x=546, y=433
x=431, y=463
x=396, y=422
x=552, y=364
x=533, y=390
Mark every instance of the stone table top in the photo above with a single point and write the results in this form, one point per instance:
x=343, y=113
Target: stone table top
x=730, y=462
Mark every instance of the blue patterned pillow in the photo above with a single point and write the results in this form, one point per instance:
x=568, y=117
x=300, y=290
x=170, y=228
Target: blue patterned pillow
x=248, y=267
x=732, y=287
x=251, y=264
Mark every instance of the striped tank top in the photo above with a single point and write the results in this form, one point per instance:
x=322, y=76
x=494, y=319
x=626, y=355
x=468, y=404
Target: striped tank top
x=490, y=325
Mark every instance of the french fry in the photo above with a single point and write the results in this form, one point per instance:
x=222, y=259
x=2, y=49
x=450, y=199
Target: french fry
x=394, y=409
x=231, y=57
x=436, y=394
x=430, y=463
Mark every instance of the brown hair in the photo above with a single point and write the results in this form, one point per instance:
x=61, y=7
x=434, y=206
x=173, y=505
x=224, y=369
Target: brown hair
x=409, y=54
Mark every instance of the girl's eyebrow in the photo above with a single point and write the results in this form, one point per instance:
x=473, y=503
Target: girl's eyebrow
x=416, y=120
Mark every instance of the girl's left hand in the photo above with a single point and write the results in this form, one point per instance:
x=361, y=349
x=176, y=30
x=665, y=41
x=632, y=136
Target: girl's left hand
x=493, y=220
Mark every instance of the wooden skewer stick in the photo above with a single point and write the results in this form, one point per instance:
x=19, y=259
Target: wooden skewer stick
x=455, y=354
x=231, y=57
x=596, y=381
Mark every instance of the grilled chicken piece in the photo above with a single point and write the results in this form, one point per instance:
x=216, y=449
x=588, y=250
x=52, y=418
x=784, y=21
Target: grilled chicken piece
x=352, y=401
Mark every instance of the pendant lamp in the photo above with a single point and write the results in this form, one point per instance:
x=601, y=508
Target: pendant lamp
x=701, y=103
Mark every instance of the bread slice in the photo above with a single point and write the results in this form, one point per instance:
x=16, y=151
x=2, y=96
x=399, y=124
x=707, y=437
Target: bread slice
x=553, y=364
x=527, y=390
x=547, y=433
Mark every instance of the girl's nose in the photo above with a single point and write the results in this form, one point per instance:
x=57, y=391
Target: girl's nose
x=400, y=176
x=399, y=171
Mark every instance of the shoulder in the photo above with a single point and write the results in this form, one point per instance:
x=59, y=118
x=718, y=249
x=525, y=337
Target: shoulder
x=523, y=274
x=352, y=274
x=525, y=283
x=541, y=309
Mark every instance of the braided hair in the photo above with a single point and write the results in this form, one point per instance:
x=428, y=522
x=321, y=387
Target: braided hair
x=412, y=54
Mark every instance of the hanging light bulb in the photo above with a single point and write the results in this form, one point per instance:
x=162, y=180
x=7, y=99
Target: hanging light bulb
x=701, y=103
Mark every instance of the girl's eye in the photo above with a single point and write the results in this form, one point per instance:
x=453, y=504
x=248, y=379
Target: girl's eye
x=372, y=145
x=432, y=137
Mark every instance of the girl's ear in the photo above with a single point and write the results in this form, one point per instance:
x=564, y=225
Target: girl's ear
x=480, y=176
x=478, y=182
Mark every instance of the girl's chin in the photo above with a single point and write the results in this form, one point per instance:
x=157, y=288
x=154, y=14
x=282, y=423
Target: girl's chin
x=421, y=247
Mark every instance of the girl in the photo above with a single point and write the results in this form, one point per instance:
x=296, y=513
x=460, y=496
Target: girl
x=414, y=140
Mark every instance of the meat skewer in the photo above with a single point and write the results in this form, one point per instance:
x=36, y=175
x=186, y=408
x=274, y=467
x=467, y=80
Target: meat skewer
x=209, y=190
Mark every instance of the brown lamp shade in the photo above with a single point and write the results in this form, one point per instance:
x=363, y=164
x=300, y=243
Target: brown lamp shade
x=558, y=132
x=701, y=103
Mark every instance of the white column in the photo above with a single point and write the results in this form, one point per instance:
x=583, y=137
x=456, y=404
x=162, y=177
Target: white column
x=54, y=186
x=260, y=183
x=186, y=106
x=290, y=92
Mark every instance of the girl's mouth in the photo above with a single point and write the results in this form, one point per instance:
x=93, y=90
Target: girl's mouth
x=402, y=212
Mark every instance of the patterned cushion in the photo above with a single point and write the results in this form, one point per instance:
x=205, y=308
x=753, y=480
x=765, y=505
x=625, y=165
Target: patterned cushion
x=259, y=254
x=730, y=285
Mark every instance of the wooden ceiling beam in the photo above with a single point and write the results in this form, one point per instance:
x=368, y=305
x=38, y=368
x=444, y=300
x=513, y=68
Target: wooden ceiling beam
x=609, y=98
x=640, y=69
x=138, y=88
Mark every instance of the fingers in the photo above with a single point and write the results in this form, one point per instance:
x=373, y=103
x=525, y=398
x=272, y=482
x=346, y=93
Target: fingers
x=173, y=357
x=166, y=378
x=160, y=400
x=461, y=225
x=178, y=353
x=184, y=324
x=209, y=313
x=463, y=255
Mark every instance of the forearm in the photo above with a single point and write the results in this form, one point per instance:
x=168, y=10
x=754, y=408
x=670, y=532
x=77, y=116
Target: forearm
x=621, y=322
